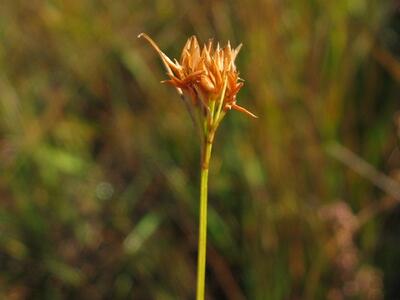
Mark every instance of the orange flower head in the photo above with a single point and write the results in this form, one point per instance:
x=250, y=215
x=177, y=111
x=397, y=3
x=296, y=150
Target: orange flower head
x=208, y=75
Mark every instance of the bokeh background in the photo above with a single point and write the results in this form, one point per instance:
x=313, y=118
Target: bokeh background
x=99, y=161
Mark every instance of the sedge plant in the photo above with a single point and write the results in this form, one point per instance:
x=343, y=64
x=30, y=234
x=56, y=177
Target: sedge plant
x=208, y=82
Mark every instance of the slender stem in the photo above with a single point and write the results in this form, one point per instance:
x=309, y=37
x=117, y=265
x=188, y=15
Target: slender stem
x=202, y=245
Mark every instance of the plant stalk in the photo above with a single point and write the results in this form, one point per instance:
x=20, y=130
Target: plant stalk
x=202, y=244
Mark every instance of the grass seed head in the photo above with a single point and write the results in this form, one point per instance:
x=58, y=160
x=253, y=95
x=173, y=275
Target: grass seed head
x=207, y=75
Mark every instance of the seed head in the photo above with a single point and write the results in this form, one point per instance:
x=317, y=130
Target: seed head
x=207, y=75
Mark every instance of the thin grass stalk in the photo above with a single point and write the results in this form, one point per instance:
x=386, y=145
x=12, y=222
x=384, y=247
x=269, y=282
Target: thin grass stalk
x=202, y=244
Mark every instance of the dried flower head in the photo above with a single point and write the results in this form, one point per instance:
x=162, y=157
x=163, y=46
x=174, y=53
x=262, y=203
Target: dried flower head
x=208, y=76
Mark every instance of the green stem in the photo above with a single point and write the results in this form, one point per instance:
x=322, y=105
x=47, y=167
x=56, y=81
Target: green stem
x=202, y=245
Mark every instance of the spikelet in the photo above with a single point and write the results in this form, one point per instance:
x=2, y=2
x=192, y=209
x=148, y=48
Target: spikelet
x=207, y=75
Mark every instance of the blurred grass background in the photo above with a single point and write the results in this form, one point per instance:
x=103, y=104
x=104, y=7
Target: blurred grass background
x=99, y=161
